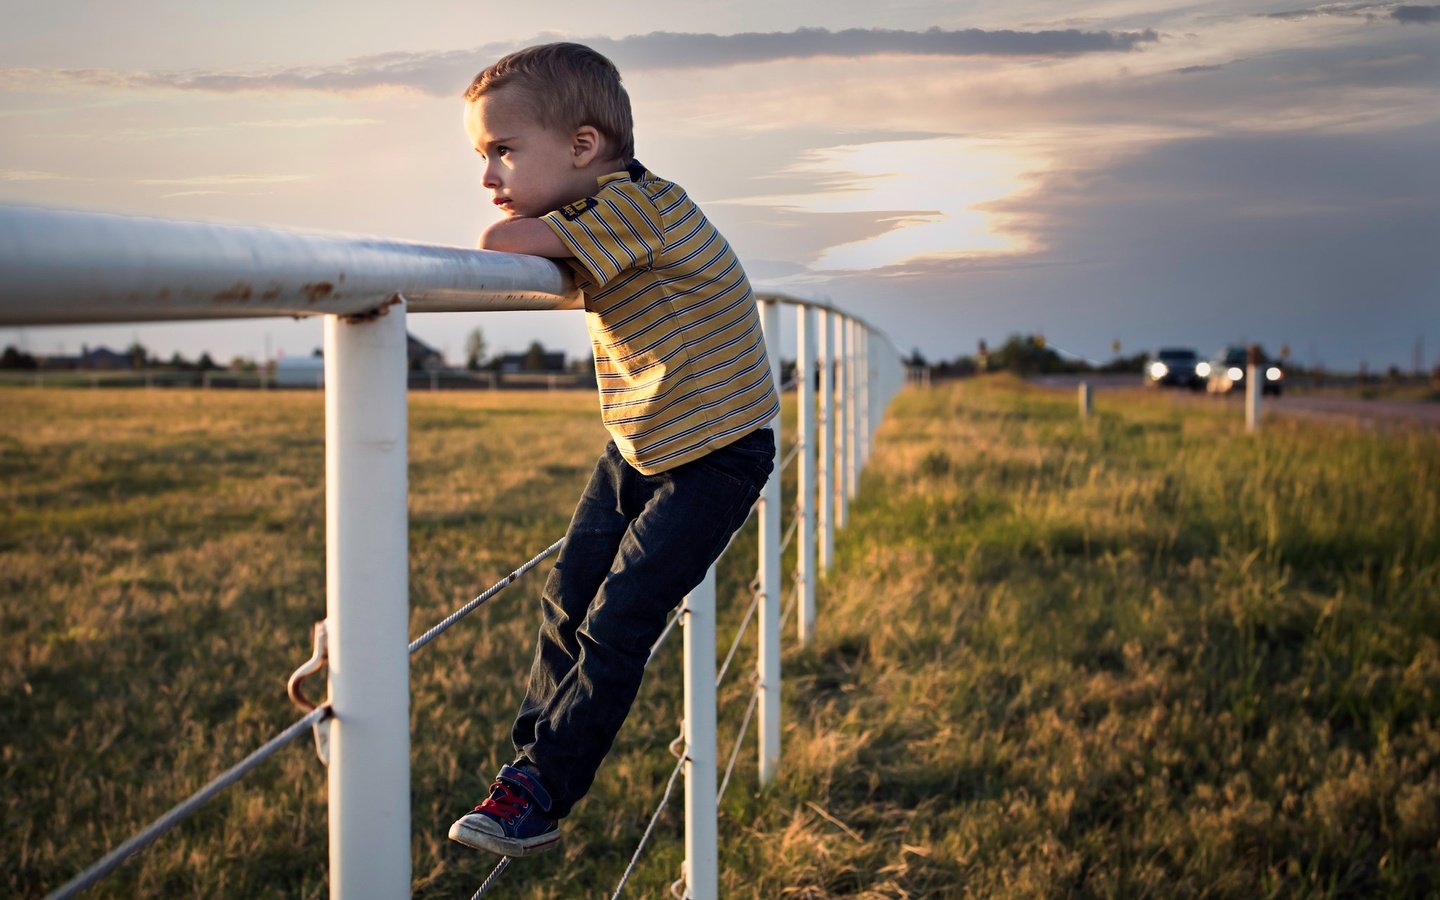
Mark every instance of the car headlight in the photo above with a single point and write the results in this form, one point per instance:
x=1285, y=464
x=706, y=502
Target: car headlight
x=1159, y=370
x=1234, y=373
x=1202, y=369
x=1273, y=373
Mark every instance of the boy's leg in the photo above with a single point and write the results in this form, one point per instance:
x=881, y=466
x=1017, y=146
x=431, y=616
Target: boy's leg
x=681, y=521
x=591, y=543
x=516, y=819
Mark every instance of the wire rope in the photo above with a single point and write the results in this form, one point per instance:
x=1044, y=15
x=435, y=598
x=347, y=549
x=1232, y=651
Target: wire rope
x=739, y=741
x=735, y=644
x=493, y=877
x=645, y=838
x=183, y=810
x=470, y=607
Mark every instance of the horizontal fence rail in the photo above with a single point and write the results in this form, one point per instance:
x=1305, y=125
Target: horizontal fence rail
x=64, y=267
x=59, y=267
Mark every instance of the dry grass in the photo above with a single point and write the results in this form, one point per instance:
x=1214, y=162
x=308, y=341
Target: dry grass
x=1145, y=656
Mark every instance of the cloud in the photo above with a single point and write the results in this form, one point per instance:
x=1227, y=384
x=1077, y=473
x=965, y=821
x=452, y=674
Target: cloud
x=30, y=175
x=1405, y=15
x=207, y=180
x=1321, y=241
x=444, y=73
x=184, y=131
x=1416, y=15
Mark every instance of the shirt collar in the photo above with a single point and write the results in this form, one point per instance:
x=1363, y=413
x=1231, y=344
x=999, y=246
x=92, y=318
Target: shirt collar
x=633, y=171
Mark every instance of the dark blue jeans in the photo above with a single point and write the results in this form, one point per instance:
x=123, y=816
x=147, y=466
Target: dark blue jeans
x=636, y=546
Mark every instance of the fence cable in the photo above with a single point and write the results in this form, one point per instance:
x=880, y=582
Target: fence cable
x=112, y=860
x=470, y=607
x=493, y=877
x=739, y=741
x=735, y=644
x=790, y=604
x=791, y=454
x=645, y=838
x=660, y=641
x=789, y=534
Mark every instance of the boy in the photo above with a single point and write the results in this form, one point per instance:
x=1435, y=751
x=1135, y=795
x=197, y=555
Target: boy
x=685, y=392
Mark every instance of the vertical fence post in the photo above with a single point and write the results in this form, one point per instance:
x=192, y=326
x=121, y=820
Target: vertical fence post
x=805, y=556
x=851, y=403
x=367, y=605
x=1253, y=388
x=827, y=439
x=1087, y=400
x=770, y=599
x=842, y=401
x=867, y=396
x=702, y=855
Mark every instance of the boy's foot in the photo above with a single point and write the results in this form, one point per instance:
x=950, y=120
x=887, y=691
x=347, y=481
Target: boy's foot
x=512, y=821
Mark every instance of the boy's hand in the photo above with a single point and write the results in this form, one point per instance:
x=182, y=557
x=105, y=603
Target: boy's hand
x=518, y=234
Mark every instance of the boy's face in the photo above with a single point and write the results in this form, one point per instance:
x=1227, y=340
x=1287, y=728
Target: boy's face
x=529, y=169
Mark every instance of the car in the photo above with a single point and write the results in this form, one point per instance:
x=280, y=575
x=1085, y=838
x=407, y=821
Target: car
x=1174, y=367
x=1226, y=371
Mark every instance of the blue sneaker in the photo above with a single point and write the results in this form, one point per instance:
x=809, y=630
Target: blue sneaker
x=512, y=821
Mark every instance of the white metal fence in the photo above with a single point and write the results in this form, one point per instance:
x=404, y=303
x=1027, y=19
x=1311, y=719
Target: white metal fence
x=61, y=267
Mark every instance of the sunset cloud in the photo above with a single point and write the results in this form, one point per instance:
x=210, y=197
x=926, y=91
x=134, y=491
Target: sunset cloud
x=204, y=180
x=444, y=73
x=1195, y=172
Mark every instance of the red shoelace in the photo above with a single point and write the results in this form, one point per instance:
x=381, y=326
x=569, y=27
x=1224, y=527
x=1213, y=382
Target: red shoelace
x=504, y=801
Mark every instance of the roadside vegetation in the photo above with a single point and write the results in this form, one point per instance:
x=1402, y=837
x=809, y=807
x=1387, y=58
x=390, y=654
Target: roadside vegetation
x=1144, y=655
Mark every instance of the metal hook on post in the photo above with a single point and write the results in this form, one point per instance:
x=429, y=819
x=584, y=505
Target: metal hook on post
x=294, y=687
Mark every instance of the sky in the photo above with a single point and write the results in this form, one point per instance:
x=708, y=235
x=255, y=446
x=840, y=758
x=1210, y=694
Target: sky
x=1131, y=173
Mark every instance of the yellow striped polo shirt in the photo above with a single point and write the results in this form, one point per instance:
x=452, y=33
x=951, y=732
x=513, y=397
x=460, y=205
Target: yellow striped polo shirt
x=679, y=356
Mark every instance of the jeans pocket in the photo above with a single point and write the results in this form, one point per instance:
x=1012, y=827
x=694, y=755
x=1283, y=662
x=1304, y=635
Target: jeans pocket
x=747, y=462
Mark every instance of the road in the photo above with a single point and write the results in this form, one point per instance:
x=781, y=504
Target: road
x=1312, y=406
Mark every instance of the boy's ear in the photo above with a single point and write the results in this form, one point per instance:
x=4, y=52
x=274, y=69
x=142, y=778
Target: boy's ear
x=585, y=145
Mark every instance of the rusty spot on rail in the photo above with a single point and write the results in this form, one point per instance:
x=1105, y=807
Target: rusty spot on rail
x=239, y=292
x=272, y=291
x=377, y=312
x=315, y=291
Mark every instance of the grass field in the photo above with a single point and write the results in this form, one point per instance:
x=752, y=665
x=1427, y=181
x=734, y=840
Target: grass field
x=1144, y=655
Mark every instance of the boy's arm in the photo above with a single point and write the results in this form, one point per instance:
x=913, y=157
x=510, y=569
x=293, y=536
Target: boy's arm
x=522, y=235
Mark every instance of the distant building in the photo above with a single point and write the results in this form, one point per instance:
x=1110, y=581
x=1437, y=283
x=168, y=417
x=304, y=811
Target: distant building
x=309, y=371
x=90, y=359
x=423, y=357
x=549, y=362
x=300, y=371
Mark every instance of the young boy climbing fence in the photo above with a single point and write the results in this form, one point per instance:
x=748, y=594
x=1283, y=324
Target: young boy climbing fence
x=685, y=393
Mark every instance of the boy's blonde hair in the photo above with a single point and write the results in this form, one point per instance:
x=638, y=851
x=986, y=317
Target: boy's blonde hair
x=568, y=85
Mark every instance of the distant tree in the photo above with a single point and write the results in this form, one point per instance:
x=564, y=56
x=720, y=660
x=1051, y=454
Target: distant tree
x=179, y=362
x=959, y=367
x=242, y=364
x=1027, y=355
x=917, y=359
x=207, y=364
x=17, y=359
x=475, y=350
x=139, y=356
x=534, y=357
